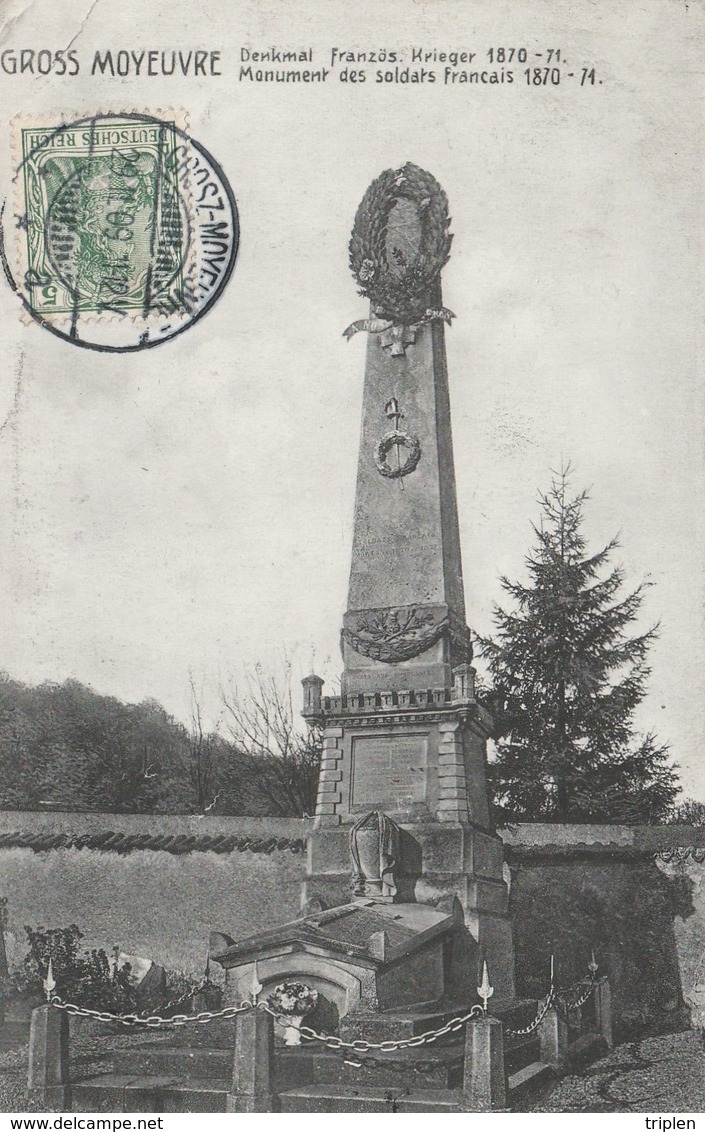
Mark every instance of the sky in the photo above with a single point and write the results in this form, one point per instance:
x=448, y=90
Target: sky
x=188, y=508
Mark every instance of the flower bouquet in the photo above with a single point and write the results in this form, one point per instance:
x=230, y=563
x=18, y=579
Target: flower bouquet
x=294, y=1001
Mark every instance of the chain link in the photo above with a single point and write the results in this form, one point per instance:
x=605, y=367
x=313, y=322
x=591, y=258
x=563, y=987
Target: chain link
x=555, y=997
x=360, y=1045
x=152, y=1021
x=582, y=999
x=543, y=1011
x=175, y=1001
x=331, y=1041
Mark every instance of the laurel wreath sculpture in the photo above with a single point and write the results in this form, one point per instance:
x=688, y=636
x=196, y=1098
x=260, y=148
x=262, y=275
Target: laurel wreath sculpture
x=402, y=295
x=401, y=440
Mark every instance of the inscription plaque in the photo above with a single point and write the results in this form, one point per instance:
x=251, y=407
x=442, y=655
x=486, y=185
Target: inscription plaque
x=389, y=771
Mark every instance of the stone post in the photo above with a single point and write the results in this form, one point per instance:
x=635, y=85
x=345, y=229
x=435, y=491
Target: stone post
x=463, y=684
x=603, y=1009
x=49, y=1057
x=313, y=686
x=253, y=1064
x=553, y=1035
x=484, y=1073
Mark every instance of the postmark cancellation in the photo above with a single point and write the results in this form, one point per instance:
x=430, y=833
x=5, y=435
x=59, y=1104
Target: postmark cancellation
x=125, y=228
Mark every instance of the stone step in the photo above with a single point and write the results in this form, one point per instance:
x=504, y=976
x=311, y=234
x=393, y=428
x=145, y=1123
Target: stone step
x=422, y=1067
x=219, y=1034
x=430, y=1100
x=184, y=1062
x=120, y=1092
x=201, y=1063
x=527, y=1079
x=340, y=1098
x=401, y=1023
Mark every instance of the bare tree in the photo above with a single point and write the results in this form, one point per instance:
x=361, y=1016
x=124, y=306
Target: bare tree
x=283, y=756
x=201, y=753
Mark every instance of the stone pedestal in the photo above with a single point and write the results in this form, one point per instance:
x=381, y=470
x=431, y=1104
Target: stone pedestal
x=438, y=862
x=49, y=1057
x=484, y=1077
x=253, y=1064
x=418, y=754
x=553, y=1035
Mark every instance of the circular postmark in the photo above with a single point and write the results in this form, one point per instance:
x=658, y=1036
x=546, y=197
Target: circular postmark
x=123, y=232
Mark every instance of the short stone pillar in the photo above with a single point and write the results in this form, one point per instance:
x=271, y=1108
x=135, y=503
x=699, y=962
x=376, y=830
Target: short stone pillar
x=313, y=686
x=484, y=1073
x=553, y=1035
x=253, y=1064
x=49, y=1057
x=463, y=684
x=603, y=1010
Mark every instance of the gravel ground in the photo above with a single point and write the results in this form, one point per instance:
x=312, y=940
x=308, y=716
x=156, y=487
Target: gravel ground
x=664, y=1074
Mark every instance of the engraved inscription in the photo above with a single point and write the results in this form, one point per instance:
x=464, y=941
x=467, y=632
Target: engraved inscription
x=389, y=771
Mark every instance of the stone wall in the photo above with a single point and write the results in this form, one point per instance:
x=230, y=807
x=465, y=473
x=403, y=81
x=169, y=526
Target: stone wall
x=634, y=895
x=158, y=903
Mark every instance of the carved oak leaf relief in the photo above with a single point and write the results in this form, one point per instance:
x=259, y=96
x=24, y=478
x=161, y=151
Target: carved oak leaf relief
x=391, y=635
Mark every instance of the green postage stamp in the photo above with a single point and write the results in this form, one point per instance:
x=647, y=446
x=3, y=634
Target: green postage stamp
x=126, y=232
x=104, y=227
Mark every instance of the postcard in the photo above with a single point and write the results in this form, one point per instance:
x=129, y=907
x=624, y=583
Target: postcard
x=351, y=435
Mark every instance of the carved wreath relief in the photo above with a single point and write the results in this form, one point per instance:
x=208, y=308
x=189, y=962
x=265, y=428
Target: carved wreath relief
x=396, y=468
x=396, y=634
x=399, y=245
x=391, y=635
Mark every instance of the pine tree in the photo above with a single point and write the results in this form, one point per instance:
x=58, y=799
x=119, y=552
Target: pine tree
x=566, y=680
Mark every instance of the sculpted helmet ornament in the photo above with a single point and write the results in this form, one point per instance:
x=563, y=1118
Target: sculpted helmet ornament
x=399, y=245
x=374, y=852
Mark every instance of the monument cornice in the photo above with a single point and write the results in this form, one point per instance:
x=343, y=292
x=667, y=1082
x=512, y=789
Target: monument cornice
x=454, y=712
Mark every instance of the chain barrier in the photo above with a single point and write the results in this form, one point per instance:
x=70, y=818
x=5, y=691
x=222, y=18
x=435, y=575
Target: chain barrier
x=152, y=1021
x=543, y=1011
x=360, y=1045
x=557, y=998
x=331, y=1041
x=581, y=999
x=175, y=1001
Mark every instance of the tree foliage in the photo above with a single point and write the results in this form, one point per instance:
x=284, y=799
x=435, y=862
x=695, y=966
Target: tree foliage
x=688, y=812
x=567, y=674
x=283, y=757
x=64, y=746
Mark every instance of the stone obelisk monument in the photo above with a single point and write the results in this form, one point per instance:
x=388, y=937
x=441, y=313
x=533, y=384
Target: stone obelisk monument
x=407, y=736
x=404, y=894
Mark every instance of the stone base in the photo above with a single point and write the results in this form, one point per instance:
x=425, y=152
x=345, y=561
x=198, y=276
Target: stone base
x=361, y=955
x=420, y=761
x=53, y=1098
x=485, y=1075
x=438, y=862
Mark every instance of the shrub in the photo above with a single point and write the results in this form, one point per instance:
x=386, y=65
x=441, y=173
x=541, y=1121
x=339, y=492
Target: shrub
x=92, y=979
